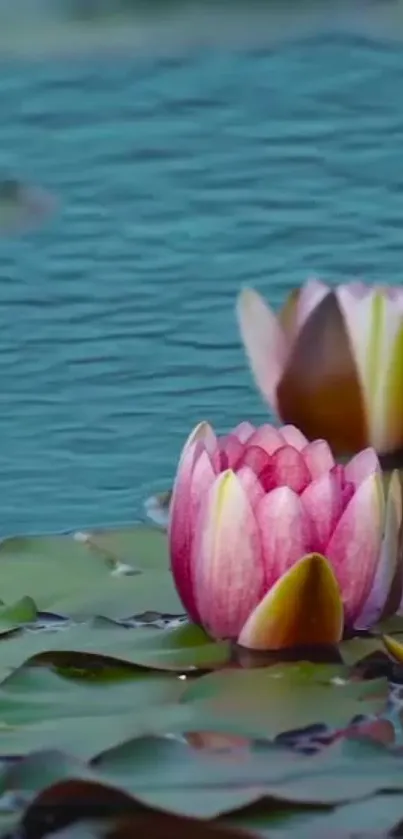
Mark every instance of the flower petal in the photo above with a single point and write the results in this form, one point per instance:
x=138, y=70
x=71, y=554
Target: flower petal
x=267, y=437
x=312, y=293
x=322, y=500
x=227, y=558
x=288, y=315
x=181, y=525
x=230, y=451
x=243, y=431
x=304, y=608
x=355, y=545
x=285, y=532
x=203, y=477
x=251, y=485
x=385, y=574
x=287, y=467
x=318, y=458
x=393, y=647
x=299, y=305
x=293, y=437
x=359, y=468
x=320, y=391
x=264, y=342
x=256, y=458
x=375, y=328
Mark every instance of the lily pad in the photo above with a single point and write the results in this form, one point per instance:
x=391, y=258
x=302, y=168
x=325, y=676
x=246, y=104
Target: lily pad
x=18, y=614
x=140, y=546
x=164, y=773
x=70, y=577
x=286, y=696
x=100, y=643
x=39, y=708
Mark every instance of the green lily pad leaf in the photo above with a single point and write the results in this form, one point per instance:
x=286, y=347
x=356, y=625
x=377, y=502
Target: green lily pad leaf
x=38, y=693
x=140, y=547
x=278, y=820
x=65, y=576
x=41, y=709
x=381, y=813
x=101, y=643
x=183, y=649
x=391, y=626
x=66, y=790
x=22, y=612
x=169, y=774
x=286, y=696
x=370, y=817
x=43, y=769
x=356, y=649
x=153, y=770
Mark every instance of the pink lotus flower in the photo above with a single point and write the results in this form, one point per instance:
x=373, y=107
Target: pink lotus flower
x=331, y=362
x=275, y=545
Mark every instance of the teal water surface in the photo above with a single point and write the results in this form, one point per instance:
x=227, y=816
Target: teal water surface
x=180, y=180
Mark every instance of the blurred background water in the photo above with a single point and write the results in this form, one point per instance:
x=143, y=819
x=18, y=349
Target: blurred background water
x=182, y=175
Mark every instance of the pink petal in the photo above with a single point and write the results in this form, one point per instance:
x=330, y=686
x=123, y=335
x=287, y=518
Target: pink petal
x=285, y=532
x=294, y=437
x=180, y=529
x=287, y=468
x=347, y=488
x=312, y=293
x=389, y=557
x=243, y=431
x=355, y=545
x=264, y=342
x=256, y=458
x=357, y=288
x=268, y=438
x=202, y=479
x=359, y=468
x=318, y=458
x=230, y=451
x=251, y=485
x=322, y=500
x=227, y=558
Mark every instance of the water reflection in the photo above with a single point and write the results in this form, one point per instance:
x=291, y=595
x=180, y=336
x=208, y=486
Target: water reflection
x=23, y=207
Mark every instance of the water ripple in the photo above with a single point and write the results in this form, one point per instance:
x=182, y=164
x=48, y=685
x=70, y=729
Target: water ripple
x=180, y=181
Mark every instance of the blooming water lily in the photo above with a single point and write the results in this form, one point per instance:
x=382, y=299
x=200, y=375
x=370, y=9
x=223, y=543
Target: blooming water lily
x=331, y=362
x=274, y=545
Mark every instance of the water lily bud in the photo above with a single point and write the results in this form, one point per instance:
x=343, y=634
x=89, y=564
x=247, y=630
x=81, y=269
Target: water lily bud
x=275, y=545
x=331, y=362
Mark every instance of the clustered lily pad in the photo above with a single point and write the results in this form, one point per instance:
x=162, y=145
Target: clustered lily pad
x=118, y=715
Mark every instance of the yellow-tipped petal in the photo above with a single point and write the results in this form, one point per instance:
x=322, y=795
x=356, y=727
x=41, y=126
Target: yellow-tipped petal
x=287, y=316
x=393, y=647
x=304, y=608
x=375, y=326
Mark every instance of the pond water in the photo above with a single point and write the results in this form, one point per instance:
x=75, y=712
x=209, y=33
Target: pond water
x=180, y=179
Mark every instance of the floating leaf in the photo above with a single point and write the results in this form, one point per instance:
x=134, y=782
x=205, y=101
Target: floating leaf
x=67, y=790
x=286, y=696
x=170, y=774
x=141, y=547
x=99, y=644
x=71, y=577
x=16, y=615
